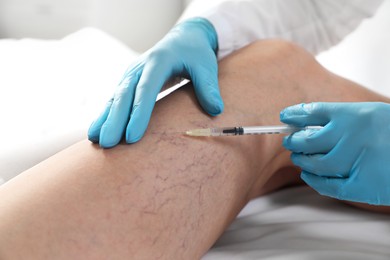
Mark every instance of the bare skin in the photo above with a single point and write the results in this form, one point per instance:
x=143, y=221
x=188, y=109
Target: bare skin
x=169, y=196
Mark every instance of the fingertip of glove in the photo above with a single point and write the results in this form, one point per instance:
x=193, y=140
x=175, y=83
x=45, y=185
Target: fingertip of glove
x=108, y=138
x=93, y=135
x=286, y=142
x=311, y=179
x=286, y=116
x=305, y=177
x=294, y=110
x=94, y=130
x=93, y=139
x=216, y=109
x=134, y=132
x=137, y=126
x=282, y=114
x=131, y=138
x=107, y=145
x=214, y=113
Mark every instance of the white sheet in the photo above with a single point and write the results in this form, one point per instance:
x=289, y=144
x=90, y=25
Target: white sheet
x=51, y=90
x=298, y=224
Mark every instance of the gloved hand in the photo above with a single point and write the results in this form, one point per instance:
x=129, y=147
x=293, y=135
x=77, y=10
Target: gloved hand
x=188, y=50
x=348, y=159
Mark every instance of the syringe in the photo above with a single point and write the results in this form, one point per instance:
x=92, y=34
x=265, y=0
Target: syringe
x=249, y=130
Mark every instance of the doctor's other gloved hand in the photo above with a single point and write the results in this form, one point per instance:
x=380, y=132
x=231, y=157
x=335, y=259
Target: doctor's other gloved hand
x=188, y=50
x=349, y=158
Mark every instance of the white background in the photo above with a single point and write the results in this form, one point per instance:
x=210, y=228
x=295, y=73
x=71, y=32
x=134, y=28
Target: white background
x=138, y=23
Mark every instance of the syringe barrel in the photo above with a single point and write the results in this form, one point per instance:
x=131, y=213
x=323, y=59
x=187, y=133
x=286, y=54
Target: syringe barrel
x=276, y=129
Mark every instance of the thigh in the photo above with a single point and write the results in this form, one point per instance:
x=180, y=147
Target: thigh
x=168, y=196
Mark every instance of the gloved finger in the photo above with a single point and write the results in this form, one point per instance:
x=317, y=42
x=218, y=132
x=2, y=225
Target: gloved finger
x=316, y=113
x=321, y=165
x=205, y=81
x=327, y=186
x=312, y=141
x=135, y=68
x=95, y=127
x=153, y=78
x=118, y=117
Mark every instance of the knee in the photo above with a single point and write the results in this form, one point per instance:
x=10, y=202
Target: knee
x=280, y=64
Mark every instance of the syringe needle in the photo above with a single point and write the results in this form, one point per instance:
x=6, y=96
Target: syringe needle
x=199, y=132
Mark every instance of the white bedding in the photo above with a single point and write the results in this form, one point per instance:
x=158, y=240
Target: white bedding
x=51, y=90
x=298, y=224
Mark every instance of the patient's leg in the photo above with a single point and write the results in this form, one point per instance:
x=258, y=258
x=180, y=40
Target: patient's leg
x=168, y=196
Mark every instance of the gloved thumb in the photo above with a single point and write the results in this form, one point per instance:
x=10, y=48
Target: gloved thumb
x=316, y=113
x=205, y=82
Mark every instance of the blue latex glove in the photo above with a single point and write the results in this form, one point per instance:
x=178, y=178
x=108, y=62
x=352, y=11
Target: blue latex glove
x=188, y=50
x=349, y=159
